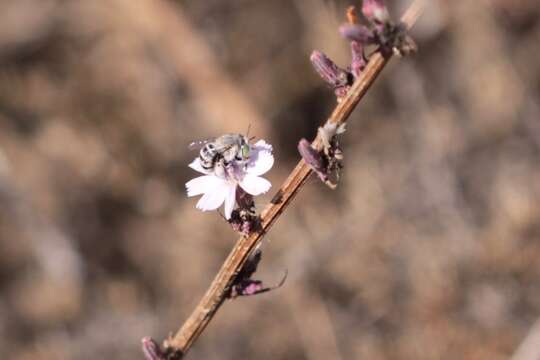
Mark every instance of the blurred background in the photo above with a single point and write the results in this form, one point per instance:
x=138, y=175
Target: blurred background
x=429, y=248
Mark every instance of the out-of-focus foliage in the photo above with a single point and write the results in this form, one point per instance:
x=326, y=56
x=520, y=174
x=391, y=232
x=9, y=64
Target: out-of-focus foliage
x=429, y=249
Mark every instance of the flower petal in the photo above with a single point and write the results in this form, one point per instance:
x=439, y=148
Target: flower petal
x=230, y=202
x=214, y=197
x=264, y=162
x=262, y=145
x=196, y=165
x=261, y=158
x=255, y=185
x=202, y=184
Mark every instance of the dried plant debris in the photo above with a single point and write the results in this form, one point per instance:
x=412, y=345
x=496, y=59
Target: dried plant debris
x=327, y=162
x=389, y=36
x=244, y=285
x=244, y=219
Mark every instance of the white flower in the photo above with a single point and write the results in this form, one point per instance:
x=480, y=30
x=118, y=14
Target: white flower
x=217, y=190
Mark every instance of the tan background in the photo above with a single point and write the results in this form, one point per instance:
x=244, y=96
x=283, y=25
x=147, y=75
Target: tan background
x=429, y=249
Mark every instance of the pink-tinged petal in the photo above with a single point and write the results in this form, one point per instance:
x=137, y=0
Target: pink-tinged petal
x=196, y=165
x=255, y=185
x=230, y=202
x=202, y=184
x=214, y=197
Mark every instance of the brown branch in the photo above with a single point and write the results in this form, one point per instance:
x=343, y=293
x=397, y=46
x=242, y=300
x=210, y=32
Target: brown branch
x=182, y=341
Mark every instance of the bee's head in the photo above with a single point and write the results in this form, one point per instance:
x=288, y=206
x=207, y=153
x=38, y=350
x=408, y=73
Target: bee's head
x=244, y=149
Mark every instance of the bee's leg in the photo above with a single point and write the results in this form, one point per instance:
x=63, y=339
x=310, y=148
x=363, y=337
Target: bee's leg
x=220, y=169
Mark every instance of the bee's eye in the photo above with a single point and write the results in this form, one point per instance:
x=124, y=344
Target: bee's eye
x=245, y=151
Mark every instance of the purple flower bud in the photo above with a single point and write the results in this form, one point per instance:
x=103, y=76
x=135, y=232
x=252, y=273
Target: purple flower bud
x=375, y=11
x=316, y=160
x=331, y=73
x=151, y=349
x=356, y=32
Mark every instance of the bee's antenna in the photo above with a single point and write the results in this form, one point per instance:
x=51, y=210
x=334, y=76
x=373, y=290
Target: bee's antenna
x=247, y=133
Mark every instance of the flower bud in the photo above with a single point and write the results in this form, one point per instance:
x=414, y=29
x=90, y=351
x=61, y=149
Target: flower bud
x=357, y=32
x=328, y=70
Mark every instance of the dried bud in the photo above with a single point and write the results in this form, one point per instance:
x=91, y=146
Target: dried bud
x=352, y=16
x=151, y=349
x=327, y=162
x=404, y=44
x=375, y=11
x=244, y=200
x=323, y=163
x=329, y=131
x=243, y=284
x=244, y=222
x=393, y=38
x=244, y=219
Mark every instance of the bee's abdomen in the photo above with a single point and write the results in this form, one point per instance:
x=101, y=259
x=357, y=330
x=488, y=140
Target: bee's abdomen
x=206, y=164
x=208, y=156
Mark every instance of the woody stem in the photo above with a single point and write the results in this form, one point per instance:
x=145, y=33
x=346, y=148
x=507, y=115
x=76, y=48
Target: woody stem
x=181, y=342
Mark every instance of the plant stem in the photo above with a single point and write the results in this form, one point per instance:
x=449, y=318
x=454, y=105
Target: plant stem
x=216, y=294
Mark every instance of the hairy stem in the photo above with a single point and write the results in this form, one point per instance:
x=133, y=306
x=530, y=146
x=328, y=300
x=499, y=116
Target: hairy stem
x=190, y=331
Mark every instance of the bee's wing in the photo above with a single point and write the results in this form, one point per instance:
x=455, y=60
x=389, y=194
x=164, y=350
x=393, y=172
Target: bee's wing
x=198, y=144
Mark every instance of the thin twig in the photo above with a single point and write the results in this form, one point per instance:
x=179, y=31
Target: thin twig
x=182, y=341
x=529, y=349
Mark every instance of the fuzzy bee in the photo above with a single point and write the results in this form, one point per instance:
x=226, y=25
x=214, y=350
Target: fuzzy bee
x=216, y=154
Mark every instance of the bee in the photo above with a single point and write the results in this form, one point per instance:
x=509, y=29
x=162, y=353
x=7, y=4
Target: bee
x=218, y=153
